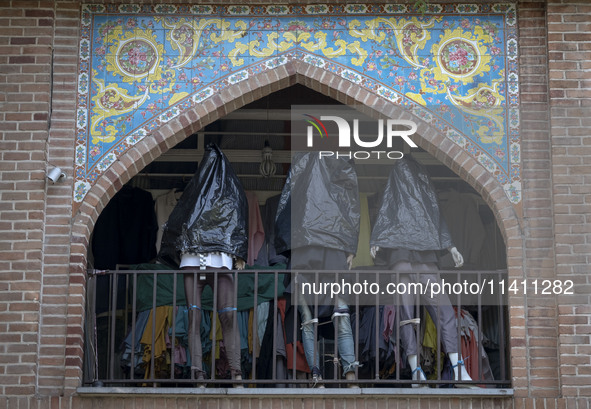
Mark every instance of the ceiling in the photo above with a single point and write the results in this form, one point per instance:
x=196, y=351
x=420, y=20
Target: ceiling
x=242, y=135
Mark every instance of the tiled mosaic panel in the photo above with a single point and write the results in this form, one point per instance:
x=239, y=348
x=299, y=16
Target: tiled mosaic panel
x=455, y=67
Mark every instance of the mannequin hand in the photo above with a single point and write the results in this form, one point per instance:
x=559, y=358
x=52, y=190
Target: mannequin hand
x=239, y=264
x=458, y=259
x=350, y=260
x=373, y=251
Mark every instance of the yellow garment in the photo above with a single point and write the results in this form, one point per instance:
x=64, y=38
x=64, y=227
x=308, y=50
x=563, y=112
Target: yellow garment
x=363, y=257
x=430, y=341
x=218, y=335
x=430, y=336
x=163, y=314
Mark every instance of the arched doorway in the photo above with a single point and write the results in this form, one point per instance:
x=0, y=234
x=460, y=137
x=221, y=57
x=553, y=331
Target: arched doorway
x=176, y=131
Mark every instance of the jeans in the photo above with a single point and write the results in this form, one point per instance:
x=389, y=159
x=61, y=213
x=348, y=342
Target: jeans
x=346, y=346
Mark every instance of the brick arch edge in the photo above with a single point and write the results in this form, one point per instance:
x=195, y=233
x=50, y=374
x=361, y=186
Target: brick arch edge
x=234, y=97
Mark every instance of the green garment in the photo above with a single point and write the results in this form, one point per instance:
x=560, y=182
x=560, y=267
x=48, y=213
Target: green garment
x=266, y=284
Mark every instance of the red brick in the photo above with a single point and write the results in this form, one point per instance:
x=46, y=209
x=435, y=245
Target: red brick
x=22, y=60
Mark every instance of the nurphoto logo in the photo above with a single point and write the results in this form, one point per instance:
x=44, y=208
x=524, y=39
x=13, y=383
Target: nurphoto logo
x=350, y=139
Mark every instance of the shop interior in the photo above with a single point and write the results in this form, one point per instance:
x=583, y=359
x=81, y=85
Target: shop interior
x=245, y=136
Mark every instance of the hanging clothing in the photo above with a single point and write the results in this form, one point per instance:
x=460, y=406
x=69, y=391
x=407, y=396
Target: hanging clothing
x=164, y=204
x=460, y=211
x=265, y=360
x=429, y=350
x=287, y=318
x=471, y=349
x=245, y=333
x=140, y=325
x=363, y=257
x=125, y=232
x=367, y=340
x=160, y=329
x=493, y=255
x=268, y=254
x=256, y=230
x=262, y=316
x=164, y=287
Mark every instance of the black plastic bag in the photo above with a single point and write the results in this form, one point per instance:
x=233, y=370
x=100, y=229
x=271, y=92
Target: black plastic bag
x=322, y=196
x=408, y=212
x=210, y=216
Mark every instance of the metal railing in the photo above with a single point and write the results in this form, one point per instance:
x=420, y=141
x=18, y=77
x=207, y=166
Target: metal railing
x=119, y=299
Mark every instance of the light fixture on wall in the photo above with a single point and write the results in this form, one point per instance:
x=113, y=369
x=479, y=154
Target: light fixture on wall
x=267, y=168
x=55, y=175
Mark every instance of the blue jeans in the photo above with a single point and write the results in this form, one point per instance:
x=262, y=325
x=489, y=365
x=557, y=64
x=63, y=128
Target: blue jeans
x=346, y=346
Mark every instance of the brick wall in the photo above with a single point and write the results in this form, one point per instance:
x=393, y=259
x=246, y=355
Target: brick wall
x=534, y=352
x=62, y=297
x=569, y=51
x=26, y=37
x=42, y=250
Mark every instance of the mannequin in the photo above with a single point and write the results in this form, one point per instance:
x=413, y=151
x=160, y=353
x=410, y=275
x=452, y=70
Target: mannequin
x=408, y=230
x=321, y=200
x=208, y=229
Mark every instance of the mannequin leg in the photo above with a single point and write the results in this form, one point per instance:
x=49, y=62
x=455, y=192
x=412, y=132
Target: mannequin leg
x=417, y=371
x=308, y=338
x=442, y=313
x=408, y=337
x=227, y=314
x=346, y=344
x=457, y=364
x=193, y=289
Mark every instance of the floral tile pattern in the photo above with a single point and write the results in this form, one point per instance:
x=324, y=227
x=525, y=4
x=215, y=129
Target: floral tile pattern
x=455, y=67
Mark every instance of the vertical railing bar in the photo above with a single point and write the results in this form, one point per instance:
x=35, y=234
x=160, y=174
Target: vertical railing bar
x=152, y=353
x=125, y=315
x=335, y=360
x=479, y=335
x=316, y=341
x=173, y=335
x=437, y=322
x=214, y=320
x=357, y=317
x=418, y=310
x=94, y=329
x=295, y=301
x=112, y=316
x=194, y=312
x=458, y=325
x=255, y=332
x=274, y=351
x=237, y=341
x=133, y=324
x=397, y=327
x=377, y=332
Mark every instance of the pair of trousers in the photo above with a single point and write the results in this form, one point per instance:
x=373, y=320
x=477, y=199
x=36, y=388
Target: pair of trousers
x=314, y=259
x=346, y=346
x=445, y=320
x=226, y=310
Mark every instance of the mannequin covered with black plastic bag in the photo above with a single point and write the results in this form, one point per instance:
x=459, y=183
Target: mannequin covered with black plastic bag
x=318, y=224
x=208, y=229
x=408, y=232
